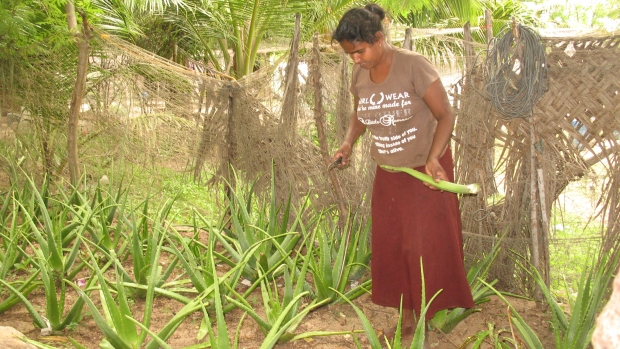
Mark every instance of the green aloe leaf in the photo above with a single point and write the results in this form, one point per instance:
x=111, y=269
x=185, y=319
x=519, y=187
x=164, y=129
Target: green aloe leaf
x=36, y=317
x=443, y=185
x=24, y=290
x=529, y=336
x=279, y=326
x=373, y=339
x=154, y=336
x=108, y=332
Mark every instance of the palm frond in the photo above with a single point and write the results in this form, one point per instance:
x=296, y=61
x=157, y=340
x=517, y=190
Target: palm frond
x=118, y=19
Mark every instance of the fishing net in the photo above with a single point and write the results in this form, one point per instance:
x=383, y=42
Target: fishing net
x=144, y=111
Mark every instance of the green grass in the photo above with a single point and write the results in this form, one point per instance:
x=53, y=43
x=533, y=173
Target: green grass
x=191, y=195
x=575, y=237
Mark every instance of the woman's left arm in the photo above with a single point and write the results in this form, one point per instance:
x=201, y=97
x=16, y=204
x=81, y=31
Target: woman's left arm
x=436, y=99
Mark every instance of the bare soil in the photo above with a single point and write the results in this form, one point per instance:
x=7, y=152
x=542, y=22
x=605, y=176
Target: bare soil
x=333, y=318
x=328, y=318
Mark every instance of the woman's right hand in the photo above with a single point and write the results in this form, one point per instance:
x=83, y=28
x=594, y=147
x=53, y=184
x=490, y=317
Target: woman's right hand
x=343, y=152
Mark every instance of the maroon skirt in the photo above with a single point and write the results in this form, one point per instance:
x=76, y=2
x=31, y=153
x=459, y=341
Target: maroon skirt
x=411, y=222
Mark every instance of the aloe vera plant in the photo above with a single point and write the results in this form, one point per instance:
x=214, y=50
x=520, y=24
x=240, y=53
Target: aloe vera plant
x=102, y=230
x=282, y=312
x=420, y=331
x=527, y=333
x=199, y=260
x=48, y=232
x=12, y=242
x=222, y=341
x=54, y=258
x=55, y=319
x=146, y=238
x=277, y=239
x=498, y=338
x=12, y=246
x=117, y=323
x=575, y=331
x=335, y=257
x=446, y=320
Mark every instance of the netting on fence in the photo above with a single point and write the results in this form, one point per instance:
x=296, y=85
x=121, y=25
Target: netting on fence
x=146, y=111
x=573, y=127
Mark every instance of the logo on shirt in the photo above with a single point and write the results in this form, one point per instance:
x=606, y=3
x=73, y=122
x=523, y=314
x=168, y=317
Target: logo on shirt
x=387, y=119
x=372, y=98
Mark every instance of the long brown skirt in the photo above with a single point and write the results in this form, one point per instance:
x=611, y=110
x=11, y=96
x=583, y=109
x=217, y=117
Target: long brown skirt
x=410, y=221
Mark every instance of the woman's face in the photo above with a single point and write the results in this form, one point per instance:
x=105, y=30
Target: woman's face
x=363, y=53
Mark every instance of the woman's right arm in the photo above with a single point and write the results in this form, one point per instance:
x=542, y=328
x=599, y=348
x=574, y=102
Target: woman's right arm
x=354, y=131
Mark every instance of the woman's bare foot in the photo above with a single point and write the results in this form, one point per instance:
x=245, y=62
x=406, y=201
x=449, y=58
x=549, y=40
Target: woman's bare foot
x=407, y=330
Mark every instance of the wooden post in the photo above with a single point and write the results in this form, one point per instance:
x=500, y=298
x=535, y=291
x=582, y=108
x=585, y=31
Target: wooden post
x=387, y=29
x=230, y=141
x=408, y=44
x=344, y=101
x=535, y=244
x=488, y=22
x=545, y=228
x=213, y=103
x=467, y=40
x=515, y=28
x=315, y=73
x=231, y=128
x=288, y=114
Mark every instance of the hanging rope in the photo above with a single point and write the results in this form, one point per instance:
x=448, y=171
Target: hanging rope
x=517, y=71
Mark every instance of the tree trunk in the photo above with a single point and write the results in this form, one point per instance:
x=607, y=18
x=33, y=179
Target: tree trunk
x=71, y=20
x=83, y=44
x=231, y=147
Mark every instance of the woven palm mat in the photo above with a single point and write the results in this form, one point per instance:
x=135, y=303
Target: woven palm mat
x=573, y=127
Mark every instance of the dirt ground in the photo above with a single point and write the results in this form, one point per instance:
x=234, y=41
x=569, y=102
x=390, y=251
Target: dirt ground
x=328, y=318
x=333, y=318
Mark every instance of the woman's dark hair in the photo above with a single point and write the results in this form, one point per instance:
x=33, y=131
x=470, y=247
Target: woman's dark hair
x=360, y=24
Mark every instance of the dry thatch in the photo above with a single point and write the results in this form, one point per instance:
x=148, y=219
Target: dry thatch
x=573, y=127
x=146, y=110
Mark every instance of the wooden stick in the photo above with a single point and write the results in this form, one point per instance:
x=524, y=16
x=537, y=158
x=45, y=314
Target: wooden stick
x=83, y=44
x=467, y=39
x=545, y=226
x=515, y=28
x=535, y=245
x=315, y=73
x=407, y=44
x=488, y=22
x=289, y=112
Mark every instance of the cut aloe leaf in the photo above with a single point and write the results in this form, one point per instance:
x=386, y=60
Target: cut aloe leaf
x=443, y=185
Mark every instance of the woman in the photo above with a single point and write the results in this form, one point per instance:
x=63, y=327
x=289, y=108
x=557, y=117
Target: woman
x=400, y=99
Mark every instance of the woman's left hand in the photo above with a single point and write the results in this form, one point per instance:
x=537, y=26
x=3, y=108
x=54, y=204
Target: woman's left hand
x=433, y=168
